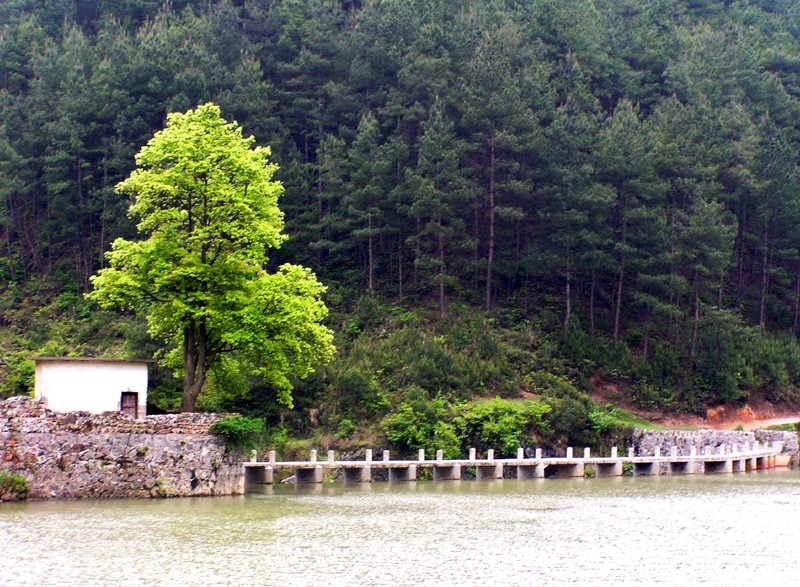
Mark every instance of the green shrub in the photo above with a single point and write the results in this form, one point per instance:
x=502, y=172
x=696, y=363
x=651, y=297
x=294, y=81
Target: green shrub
x=239, y=431
x=13, y=484
x=549, y=384
x=345, y=428
x=421, y=425
x=500, y=424
x=19, y=377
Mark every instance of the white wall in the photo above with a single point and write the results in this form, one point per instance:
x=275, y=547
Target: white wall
x=90, y=386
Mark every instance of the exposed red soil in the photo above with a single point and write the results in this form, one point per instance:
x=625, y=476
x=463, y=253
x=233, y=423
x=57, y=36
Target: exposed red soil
x=756, y=413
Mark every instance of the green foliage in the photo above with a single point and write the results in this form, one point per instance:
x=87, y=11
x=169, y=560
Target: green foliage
x=13, y=484
x=569, y=189
x=345, y=428
x=419, y=425
x=239, y=431
x=208, y=206
x=501, y=424
x=18, y=378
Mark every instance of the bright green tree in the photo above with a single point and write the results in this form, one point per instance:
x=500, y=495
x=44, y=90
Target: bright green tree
x=209, y=209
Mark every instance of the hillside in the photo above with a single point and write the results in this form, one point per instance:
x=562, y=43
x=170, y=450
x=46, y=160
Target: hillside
x=504, y=199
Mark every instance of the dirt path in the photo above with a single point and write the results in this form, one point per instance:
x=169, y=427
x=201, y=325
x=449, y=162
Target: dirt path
x=758, y=424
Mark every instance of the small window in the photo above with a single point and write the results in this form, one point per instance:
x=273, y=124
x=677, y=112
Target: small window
x=129, y=404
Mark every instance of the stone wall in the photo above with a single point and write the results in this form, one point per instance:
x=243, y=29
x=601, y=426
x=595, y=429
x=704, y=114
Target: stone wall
x=82, y=455
x=646, y=441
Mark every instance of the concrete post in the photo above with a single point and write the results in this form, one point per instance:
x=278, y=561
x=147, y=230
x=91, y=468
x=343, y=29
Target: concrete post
x=368, y=455
x=439, y=455
x=674, y=452
x=520, y=453
x=313, y=457
x=403, y=473
x=587, y=453
x=490, y=454
x=421, y=456
x=357, y=475
x=657, y=452
x=385, y=456
x=447, y=473
x=253, y=456
x=613, y=452
x=471, y=454
x=487, y=472
x=569, y=452
x=531, y=471
x=538, y=454
x=272, y=457
x=331, y=456
x=313, y=475
x=609, y=469
x=630, y=452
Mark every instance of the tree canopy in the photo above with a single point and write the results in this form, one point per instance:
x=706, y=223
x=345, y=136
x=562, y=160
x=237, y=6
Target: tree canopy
x=621, y=173
x=208, y=206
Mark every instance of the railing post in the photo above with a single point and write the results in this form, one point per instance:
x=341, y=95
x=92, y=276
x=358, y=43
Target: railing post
x=657, y=452
x=613, y=452
x=331, y=456
x=631, y=452
x=520, y=453
x=368, y=455
x=313, y=457
x=253, y=456
x=421, y=456
x=385, y=456
x=587, y=453
x=569, y=452
x=272, y=457
x=538, y=454
x=471, y=454
x=439, y=454
x=490, y=454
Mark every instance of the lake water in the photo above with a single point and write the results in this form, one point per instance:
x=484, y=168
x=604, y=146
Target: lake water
x=725, y=530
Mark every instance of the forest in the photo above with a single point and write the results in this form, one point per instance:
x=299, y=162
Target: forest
x=506, y=199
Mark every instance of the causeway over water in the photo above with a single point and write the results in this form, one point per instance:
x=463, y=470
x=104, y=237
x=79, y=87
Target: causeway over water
x=725, y=459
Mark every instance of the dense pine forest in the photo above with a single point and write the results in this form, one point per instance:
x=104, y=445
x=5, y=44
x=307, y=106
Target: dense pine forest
x=505, y=198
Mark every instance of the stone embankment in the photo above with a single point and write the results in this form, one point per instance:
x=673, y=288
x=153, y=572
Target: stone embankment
x=646, y=441
x=81, y=455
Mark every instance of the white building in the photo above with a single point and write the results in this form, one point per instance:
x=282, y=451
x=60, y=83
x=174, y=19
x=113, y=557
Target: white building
x=71, y=384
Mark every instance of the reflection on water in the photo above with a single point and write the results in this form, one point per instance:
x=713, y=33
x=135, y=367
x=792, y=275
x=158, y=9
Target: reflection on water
x=699, y=530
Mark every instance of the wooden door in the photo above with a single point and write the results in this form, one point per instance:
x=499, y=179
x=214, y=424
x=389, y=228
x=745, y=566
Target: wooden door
x=129, y=404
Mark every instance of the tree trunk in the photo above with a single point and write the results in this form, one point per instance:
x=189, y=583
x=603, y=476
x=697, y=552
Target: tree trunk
x=741, y=243
x=696, y=324
x=371, y=258
x=441, y=277
x=796, y=302
x=762, y=315
x=195, y=365
x=618, y=300
x=568, y=298
x=400, y=282
x=591, y=304
x=490, y=255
